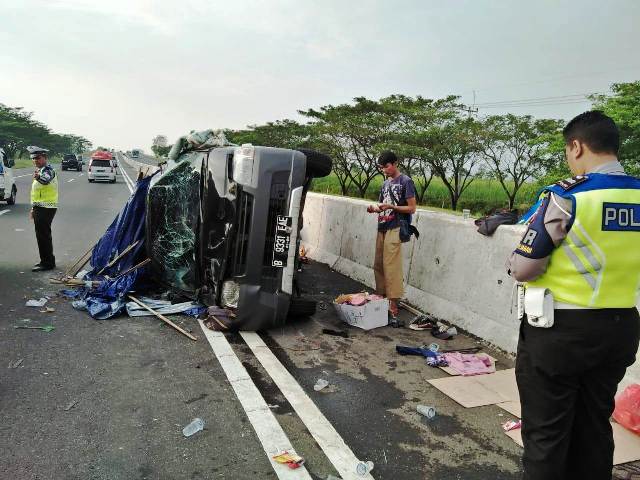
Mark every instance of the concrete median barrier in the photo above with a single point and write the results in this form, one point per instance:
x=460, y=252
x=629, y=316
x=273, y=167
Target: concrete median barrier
x=452, y=271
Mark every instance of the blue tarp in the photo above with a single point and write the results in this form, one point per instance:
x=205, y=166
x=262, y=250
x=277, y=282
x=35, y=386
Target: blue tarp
x=109, y=298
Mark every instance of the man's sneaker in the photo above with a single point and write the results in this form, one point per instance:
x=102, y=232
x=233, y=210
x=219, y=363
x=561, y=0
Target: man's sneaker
x=422, y=322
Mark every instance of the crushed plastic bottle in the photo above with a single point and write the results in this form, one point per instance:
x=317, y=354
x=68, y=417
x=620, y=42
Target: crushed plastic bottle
x=364, y=467
x=194, y=427
x=320, y=384
x=427, y=411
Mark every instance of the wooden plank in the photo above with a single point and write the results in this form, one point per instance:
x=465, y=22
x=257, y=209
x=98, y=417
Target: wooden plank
x=163, y=318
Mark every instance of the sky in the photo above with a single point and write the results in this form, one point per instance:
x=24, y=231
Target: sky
x=120, y=72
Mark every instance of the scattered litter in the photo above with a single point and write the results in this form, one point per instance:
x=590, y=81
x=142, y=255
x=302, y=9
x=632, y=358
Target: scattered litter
x=320, y=384
x=273, y=406
x=357, y=299
x=48, y=310
x=79, y=304
x=335, y=333
x=433, y=359
x=512, y=425
x=165, y=307
x=44, y=328
x=291, y=460
x=371, y=311
x=364, y=467
x=70, y=405
x=16, y=363
x=426, y=411
x=194, y=427
x=36, y=303
x=443, y=332
x=434, y=347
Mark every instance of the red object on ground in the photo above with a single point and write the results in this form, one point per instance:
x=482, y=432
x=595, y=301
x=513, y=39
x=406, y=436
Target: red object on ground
x=627, y=412
x=102, y=155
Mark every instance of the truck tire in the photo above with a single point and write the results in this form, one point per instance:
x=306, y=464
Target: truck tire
x=12, y=198
x=301, y=307
x=318, y=164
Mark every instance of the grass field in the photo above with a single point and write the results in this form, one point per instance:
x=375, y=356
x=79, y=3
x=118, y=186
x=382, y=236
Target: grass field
x=26, y=162
x=480, y=197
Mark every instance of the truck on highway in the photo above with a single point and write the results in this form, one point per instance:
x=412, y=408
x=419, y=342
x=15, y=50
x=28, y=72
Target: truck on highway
x=8, y=189
x=223, y=226
x=135, y=153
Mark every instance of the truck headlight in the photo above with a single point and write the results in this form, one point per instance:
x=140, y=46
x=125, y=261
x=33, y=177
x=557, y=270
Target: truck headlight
x=243, y=164
x=230, y=294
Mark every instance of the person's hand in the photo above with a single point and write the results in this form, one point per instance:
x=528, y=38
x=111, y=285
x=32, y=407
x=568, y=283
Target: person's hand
x=385, y=206
x=373, y=209
x=36, y=174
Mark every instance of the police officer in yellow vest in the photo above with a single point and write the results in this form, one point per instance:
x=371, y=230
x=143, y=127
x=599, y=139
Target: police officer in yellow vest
x=44, y=204
x=582, y=251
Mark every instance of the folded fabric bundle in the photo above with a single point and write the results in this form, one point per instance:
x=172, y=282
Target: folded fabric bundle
x=469, y=363
x=357, y=299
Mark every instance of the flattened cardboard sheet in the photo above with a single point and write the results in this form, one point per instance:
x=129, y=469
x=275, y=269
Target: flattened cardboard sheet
x=627, y=444
x=468, y=391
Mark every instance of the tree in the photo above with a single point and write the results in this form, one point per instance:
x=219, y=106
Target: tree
x=515, y=149
x=353, y=135
x=623, y=105
x=281, y=134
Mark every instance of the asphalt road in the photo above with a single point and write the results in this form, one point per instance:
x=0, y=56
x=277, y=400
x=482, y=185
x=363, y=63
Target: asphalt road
x=136, y=382
x=108, y=399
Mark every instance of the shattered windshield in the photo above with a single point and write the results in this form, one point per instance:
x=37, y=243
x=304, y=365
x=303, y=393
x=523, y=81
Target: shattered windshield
x=172, y=221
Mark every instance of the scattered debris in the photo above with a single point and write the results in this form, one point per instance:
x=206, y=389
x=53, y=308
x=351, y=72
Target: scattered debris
x=364, y=467
x=163, y=318
x=423, y=322
x=320, y=384
x=291, y=460
x=331, y=477
x=194, y=427
x=36, y=303
x=70, y=405
x=44, y=328
x=48, y=310
x=443, y=332
x=335, y=333
x=512, y=425
x=424, y=410
x=16, y=363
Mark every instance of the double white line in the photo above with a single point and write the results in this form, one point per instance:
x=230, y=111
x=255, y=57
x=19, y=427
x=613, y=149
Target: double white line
x=126, y=177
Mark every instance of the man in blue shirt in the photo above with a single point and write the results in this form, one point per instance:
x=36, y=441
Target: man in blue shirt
x=397, y=198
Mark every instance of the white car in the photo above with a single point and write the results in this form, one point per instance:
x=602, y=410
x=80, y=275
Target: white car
x=8, y=189
x=101, y=170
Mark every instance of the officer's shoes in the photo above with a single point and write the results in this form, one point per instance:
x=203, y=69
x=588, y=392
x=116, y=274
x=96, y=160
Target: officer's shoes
x=42, y=268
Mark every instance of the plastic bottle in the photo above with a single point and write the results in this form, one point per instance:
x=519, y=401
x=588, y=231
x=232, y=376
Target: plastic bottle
x=195, y=426
x=428, y=412
x=320, y=384
x=364, y=467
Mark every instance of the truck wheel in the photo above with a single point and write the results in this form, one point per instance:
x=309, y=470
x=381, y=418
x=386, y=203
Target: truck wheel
x=318, y=164
x=301, y=307
x=12, y=199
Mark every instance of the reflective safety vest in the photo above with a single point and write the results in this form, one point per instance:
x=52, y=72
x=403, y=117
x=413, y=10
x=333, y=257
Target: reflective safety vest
x=45, y=195
x=598, y=264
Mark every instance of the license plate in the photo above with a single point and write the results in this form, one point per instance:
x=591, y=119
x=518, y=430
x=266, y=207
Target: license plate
x=281, y=241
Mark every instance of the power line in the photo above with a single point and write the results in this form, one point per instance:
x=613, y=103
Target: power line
x=540, y=101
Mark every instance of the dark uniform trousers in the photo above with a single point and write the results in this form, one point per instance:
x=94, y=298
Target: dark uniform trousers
x=567, y=376
x=42, y=218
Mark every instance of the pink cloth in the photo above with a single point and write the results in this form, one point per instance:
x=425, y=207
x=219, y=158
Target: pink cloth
x=470, y=364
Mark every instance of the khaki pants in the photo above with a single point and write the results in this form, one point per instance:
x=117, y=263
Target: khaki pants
x=388, y=264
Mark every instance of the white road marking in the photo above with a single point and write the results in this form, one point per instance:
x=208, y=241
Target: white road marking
x=70, y=180
x=332, y=444
x=2, y=212
x=81, y=174
x=127, y=179
x=19, y=229
x=25, y=175
x=263, y=421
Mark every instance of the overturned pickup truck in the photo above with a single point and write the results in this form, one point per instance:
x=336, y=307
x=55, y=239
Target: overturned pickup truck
x=223, y=226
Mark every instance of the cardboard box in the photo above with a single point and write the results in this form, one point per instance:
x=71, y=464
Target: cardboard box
x=370, y=315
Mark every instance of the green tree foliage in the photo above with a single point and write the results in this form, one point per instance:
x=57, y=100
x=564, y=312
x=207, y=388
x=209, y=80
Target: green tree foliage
x=623, y=105
x=18, y=130
x=518, y=148
x=281, y=133
x=159, y=151
x=354, y=134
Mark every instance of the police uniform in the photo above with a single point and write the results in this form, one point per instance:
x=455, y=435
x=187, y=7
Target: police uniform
x=582, y=245
x=44, y=205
